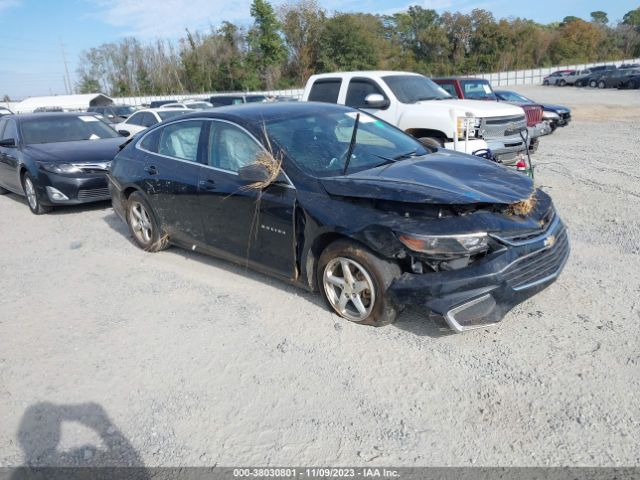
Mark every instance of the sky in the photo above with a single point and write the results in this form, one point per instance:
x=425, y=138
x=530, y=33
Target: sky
x=37, y=35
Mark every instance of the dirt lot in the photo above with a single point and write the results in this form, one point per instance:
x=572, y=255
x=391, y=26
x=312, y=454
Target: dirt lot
x=110, y=355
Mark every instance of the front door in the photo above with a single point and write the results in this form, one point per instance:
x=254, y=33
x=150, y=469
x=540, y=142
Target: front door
x=9, y=156
x=245, y=223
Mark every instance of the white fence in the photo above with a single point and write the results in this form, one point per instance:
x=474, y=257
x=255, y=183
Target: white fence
x=146, y=100
x=536, y=75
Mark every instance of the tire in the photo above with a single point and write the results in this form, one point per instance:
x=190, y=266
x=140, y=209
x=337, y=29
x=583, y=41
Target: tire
x=432, y=142
x=593, y=84
x=632, y=84
x=34, y=199
x=562, y=83
x=143, y=224
x=601, y=84
x=368, y=272
x=545, y=82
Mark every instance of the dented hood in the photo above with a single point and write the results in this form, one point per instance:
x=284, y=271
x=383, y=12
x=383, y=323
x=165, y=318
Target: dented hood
x=443, y=177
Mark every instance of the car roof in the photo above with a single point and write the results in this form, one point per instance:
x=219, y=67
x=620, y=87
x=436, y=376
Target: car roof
x=364, y=73
x=38, y=115
x=160, y=109
x=250, y=112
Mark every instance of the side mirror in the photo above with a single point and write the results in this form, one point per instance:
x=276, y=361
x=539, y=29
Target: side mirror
x=8, y=142
x=375, y=100
x=254, y=173
x=124, y=133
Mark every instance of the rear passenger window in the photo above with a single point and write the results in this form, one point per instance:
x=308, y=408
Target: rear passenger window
x=358, y=91
x=325, y=91
x=180, y=140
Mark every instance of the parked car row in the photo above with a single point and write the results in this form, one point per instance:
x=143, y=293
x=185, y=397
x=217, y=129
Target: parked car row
x=626, y=76
x=325, y=196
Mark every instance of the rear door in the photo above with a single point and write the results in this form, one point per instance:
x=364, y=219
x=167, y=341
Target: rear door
x=172, y=165
x=239, y=221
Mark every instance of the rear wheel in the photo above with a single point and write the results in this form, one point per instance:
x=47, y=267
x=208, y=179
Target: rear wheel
x=354, y=283
x=545, y=82
x=562, y=83
x=593, y=84
x=33, y=196
x=632, y=84
x=143, y=224
x=601, y=84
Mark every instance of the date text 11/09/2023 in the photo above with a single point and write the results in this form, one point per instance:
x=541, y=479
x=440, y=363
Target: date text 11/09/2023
x=315, y=473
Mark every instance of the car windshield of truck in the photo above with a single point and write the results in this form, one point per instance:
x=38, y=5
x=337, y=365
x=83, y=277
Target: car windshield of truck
x=477, y=90
x=318, y=143
x=414, y=88
x=55, y=129
x=124, y=111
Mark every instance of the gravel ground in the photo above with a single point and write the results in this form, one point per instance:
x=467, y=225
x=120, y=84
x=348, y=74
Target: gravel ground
x=110, y=355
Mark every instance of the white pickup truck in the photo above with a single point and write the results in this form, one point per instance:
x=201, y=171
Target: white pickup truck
x=423, y=109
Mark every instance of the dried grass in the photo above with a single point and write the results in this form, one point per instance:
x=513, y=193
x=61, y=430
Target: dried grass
x=523, y=207
x=271, y=162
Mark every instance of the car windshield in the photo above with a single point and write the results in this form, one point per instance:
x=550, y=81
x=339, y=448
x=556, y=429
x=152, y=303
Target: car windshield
x=318, y=143
x=413, y=88
x=198, y=105
x=124, y=111
x=171, y=113
x=255, y=98
x=478, y=90
x=514, y=97
x=57, y=129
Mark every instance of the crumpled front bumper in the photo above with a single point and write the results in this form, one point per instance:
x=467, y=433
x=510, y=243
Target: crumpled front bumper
x=482, y=294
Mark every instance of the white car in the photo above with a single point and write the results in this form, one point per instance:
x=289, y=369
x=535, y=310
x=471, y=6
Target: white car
x=190, y=104
x=143, y=119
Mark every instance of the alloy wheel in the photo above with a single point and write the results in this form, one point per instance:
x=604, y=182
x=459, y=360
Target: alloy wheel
x=349, y=288
x=141, y=223
x=30, y=191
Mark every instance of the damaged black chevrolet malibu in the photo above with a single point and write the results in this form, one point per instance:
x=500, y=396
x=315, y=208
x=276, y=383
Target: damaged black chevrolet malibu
x=333, y=199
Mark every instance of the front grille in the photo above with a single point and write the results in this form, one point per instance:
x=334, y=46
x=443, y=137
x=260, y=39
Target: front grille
x=534, y=114
x=545, y=223
x=501, y=127
x=540, y=265
x=86, y=194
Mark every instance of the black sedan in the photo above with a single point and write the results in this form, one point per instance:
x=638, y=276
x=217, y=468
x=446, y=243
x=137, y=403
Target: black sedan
x=556, y=115
x=56, y=158
x=333, y=199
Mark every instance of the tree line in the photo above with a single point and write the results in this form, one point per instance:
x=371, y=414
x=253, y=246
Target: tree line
x=284, y=46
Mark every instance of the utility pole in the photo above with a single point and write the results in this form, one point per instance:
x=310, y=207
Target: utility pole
x=67, y=79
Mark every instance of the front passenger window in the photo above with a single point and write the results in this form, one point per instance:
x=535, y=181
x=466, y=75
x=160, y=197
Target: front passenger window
x=180, y=140
x=231, y=148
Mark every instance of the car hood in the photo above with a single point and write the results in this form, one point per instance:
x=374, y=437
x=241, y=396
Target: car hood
x=550, y=106
x=443, y=178
x=75, y=152
x=478, y=108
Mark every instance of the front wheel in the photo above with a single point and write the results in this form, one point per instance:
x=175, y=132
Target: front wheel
x=354, y=283
x=33, y=196
x=601, y=84
x=143, y=224
x=593, y=84
x=545, y=82
x=562, y=83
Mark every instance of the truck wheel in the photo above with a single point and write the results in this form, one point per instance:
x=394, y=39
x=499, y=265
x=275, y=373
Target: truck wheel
x=354, y=283
x=431, y=142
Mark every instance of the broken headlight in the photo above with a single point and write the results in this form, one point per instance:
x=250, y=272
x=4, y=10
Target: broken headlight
x=447, y=246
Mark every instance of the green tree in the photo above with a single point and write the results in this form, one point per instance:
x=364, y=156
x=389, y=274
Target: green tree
x=632, y=18
x=348, y=42
x=267, y=47
x=599, y=17
x=570, y=19
x=88, y=85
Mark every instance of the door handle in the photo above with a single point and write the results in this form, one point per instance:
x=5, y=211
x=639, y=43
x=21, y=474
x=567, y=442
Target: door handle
x=207, y=184
x=151, y=169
